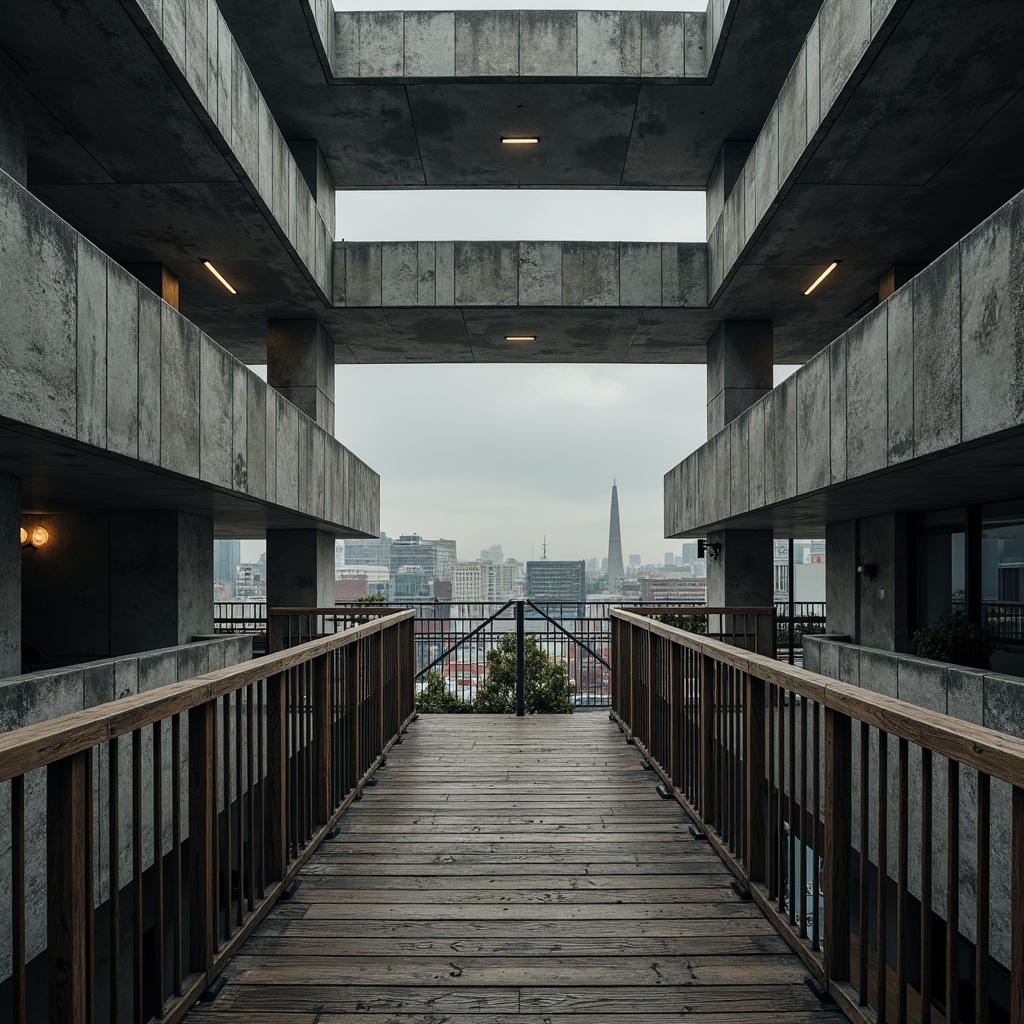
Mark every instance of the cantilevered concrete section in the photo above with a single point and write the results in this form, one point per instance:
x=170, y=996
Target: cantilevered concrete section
x=842, y=130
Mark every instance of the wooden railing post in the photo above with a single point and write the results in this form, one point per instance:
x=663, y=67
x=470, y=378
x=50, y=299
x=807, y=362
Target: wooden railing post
x=68, y=808
x=1017, y=908
x=322, y=729
x=838, y=843
x=277, y=778
x=707, y=739
x=202, y=823
x=756, y=770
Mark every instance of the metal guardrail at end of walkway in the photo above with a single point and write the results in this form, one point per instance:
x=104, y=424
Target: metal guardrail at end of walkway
x=904, y=901
x=173, y=820
x=455, y=638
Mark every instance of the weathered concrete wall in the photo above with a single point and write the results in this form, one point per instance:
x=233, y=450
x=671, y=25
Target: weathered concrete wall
x=200, y=47
x=983, y=698
x=87, y=353
x=26, y=700
x=10, y=576
x=529, y=44
x=938, y=364
x=739, y=369
x=828, y=63
x=636, y=274
x=149, y=579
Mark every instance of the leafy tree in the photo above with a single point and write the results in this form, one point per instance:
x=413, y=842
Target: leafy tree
x=546, y=684
x=436, y=698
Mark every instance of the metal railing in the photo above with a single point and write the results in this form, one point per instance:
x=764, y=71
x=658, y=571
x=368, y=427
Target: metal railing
x=455, y=638
x=884, y=841
x=162, y=827
x=796, y=619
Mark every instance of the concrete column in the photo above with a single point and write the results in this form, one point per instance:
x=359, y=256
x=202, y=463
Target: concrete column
x=13, y=129
x=10, y=576
x=743, y=573
x=731, y=158
x=161, y=579
x=739, y=369
x=158, y=279
x=300, y=571
x=300, y=365
x=896, y=277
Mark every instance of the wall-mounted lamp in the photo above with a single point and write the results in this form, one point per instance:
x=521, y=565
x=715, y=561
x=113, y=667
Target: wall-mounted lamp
x=709, y=551
x=36, y=537
x=868, y=570
x=520, y=337
x=520, y=140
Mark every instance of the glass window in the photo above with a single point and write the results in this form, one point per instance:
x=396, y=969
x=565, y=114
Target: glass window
x=1002, y=569
x=942, y=578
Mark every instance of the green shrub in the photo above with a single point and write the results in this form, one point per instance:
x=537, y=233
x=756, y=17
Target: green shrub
x=546, y=684
x=436, y=698
x=691, y=623
x=956, y=640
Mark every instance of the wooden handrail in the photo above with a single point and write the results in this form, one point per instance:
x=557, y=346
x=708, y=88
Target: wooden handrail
x=788, y=774
x=986, y=750
x=35, y=746
x=278, y=747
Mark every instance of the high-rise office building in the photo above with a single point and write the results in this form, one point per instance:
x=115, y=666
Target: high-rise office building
x=615, y=570
x=553, y=581
x=227, y=555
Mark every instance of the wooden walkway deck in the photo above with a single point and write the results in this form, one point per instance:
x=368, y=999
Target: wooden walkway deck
x=514, y=869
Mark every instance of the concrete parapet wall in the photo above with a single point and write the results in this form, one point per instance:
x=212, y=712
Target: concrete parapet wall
x=827, y=66
x=89, y=354
x=29, y=699
x=634, y=274
x=973, y=695
x=392, y=45
x=198, y=43
x=939, y=364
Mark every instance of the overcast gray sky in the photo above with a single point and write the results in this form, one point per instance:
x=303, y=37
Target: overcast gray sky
x=507, y=454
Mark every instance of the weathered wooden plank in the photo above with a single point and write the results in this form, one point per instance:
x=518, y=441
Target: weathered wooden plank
x=515, y=869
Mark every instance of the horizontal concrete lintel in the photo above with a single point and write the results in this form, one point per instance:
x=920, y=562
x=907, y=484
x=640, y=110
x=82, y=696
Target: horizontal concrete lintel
x=552, y=274
x=570, y=45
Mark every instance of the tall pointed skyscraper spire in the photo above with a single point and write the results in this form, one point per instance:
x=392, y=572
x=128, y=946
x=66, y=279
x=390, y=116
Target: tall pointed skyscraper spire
x=616, y=573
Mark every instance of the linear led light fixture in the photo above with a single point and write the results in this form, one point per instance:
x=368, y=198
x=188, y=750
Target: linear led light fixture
x=217, y=274
x=519, y=140
x=520, y=337
x=835, y=263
